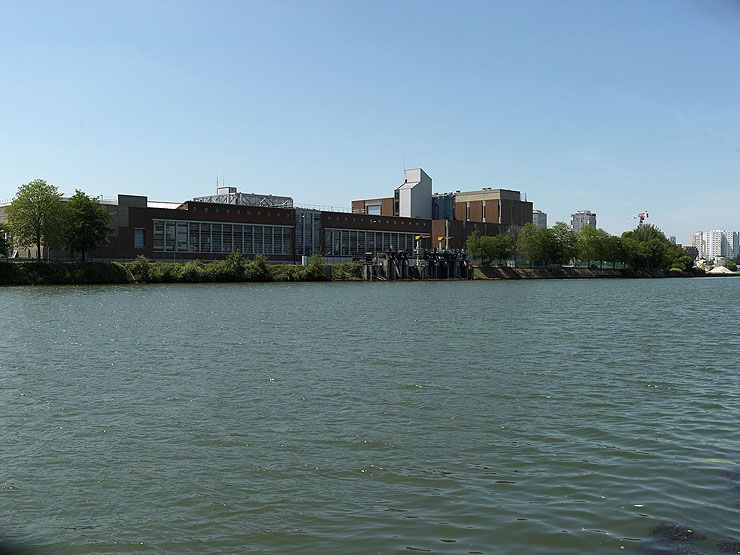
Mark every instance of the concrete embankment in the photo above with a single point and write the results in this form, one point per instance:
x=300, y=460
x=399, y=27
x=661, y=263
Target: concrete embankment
x=562, y=273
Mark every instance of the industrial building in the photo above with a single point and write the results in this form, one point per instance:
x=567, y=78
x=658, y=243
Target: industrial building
x=210, y=227
x=454, y=216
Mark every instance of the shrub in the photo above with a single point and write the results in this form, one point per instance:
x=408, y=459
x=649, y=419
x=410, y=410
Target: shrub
x=257, y=270
x=193, y=272
x=346, y=271
x=163, y=272
x=139, y=268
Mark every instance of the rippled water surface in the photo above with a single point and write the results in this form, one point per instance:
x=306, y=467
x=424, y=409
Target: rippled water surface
x=553, y=417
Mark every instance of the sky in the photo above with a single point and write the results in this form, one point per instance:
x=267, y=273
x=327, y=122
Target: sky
x=611, y=106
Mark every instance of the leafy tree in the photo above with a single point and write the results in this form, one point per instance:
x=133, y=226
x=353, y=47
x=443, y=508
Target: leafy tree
x=472, y=245
x=614, y=250
x=535, y=244
x=565, y=242
x=34, y=216
x=86, y=224
x=4, y=247
x=592, y=244
x=489, y=248
x=499, y=247
x=731, y=265
x=647, y=247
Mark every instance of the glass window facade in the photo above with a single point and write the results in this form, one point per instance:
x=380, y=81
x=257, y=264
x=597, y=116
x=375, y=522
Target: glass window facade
x=353, y=242
x=210, y=237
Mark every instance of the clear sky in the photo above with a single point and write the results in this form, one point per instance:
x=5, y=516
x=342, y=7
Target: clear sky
x=615, y=107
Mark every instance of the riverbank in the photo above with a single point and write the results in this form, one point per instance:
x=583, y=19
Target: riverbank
x=141, y=270
x=235, y=269
x=500, y=272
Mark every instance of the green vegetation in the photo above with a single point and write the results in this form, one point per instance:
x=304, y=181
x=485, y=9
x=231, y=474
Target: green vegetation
x=142, y=270
x=232, y=269
x=489, y=248
x=84, y=224
x=35, y=216
x=346, y=271
x=61, y=273
x=4, y=246
x=731, y=265
x=645, y=248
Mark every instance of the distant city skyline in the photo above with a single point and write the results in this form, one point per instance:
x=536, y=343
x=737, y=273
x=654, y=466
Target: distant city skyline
x=620, y=107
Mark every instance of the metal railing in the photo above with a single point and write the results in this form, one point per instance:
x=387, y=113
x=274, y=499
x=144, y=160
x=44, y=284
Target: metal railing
x=324, y=208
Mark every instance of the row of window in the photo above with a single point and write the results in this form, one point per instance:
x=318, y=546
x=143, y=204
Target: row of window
x=353, y=242
x=395, y=221
x=212, y=237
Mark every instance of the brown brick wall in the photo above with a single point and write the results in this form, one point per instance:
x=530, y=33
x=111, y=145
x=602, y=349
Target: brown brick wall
x=386, y=205
x=342, y=220
x=123, y=245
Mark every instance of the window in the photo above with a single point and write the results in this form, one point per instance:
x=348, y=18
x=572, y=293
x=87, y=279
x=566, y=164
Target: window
x=205, y=237
x=169, y=236
x=194, y=237
x=158, y=235
x=216, y=230
x=138, y=238
x=182, y=237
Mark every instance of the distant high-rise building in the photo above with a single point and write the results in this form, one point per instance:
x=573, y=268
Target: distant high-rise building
x=719, y=242
x=697, y=240
x=581, y=219
x=539, y=218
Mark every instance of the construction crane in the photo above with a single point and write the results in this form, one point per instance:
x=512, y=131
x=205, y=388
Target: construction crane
x=642, y=216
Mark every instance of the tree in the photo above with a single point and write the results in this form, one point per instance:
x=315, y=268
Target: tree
x=731, y=265
x=614, y=250
x=648, y=247
x=4, y=247
x=34, y=216
x=535, y=244
x=500, y=247
x=564, y=243
x=472, y=245
x=85, y=224
x=592, y=244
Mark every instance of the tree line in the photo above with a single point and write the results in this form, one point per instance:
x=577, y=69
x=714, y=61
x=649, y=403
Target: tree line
x=39, y=217
x=643, y=248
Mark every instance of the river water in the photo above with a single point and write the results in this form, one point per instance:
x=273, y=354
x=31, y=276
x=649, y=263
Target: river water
x=523, y=417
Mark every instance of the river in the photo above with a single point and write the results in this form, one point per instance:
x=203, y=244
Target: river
x=552, y=417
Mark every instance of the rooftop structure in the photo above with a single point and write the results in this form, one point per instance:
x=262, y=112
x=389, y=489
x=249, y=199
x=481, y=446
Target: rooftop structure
x=413, y=198
x=230, y=195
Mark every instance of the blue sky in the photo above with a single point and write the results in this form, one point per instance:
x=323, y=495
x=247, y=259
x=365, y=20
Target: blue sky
x=615, y=107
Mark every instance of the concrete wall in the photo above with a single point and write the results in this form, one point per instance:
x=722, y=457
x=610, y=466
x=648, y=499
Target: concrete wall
x=415, y=195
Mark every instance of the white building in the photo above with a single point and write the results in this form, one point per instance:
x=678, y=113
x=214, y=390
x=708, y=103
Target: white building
x=716, y=243
x=413, y=198
x=581, y=219
x=539, y=218
x=697, y=240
